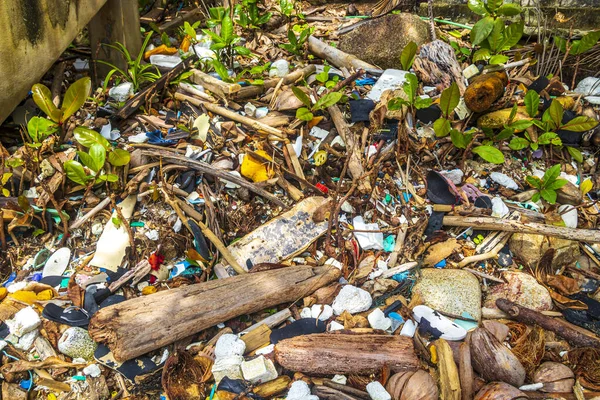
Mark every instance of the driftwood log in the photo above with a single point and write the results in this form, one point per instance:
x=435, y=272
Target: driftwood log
x=137, y=326
x=256, y=90
x=528, y=316
x=335, y=56
x=326, y=354
x=495, y=224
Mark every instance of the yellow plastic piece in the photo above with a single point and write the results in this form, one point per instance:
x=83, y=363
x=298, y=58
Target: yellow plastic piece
x=24, y=296
x=45, y=295
x=3, y=293
x=148, y=290
x=255, y=169
x=320, y=157
x=162, y=49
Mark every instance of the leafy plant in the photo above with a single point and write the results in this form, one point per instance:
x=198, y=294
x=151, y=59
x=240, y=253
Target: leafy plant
x=94, y=159
x=254, y=75
x=249, y=15
x=287, y=7
x=491, y=32
x=578, y=47
x=3, y=181
x=306, y=113
x=412, y=100
x=462, y=53
x=74, y=99
x=39, y=129
x=224, y=44
x=548, y=185
x=408, y=55
x=136, y=72
x=296, y=44
x=216, y=15
x=323, y=78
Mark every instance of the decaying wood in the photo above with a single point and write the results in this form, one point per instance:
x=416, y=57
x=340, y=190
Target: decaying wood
x=465, y=371
x=84, y=218
x=292, y=77
x=257, y=338
x=495, y=224
x=224, y=112
x=192, y=90
x=325, y=354
x=271, y=321
x=354, y=165
x=335, y=56
x=138, y=100
x=356, y=393
x=217, y=86
x=137, y=326
x=526, y=315
x=436, y=65
x=209, y=170
x=324, y=392
x=448, y=372
x=273, y=387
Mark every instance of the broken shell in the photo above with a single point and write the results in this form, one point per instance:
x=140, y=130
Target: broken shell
x=411, y=385
x=499, y=391
x=556, y=377
x=494, y=361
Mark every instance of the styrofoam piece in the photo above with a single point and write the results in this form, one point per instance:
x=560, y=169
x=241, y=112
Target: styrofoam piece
x=57, y=263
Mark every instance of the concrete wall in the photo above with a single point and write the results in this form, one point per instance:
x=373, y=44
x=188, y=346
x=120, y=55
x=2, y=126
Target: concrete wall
x=34, y=34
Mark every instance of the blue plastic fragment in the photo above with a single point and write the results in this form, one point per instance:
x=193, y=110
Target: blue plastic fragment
x=25, y=384
x=396, y=316
x=441, y=264
x=406, y=196
x=401, y=277
x=11, y=278
x=389, y=243
x=155, y=137
x=365, y=81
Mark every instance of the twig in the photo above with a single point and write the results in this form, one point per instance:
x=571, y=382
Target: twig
x=83, y=219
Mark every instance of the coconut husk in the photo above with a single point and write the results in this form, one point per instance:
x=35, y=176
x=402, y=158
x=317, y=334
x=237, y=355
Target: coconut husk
x=183, y=377
x=528, y=345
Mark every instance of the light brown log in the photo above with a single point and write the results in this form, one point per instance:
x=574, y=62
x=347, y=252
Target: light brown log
x=326, y=354
x=448, y=372
x=256, y=90
x=354, y=165
x=257, y=338
x=494, y=224
x=335, y=56
x=137, y=326
x=465, y=371
x=218, y=87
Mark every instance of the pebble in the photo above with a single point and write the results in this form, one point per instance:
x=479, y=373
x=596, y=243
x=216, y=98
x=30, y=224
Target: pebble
x=352, y=299
x=499, y=209
x=522, y=289
x=279, y=69
x=454, y=175
x=322, y=312
x=451, y=291
x=377, y=391
x=92, y=370
x=77, y=343
x=259, y=370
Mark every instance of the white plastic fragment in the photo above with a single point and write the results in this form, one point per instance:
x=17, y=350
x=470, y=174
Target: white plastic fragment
x=390, y=79
x=81, y=65
x=351, y=299
x=461, y=110
x=378, y=320
x=259, y=370
x=26, y=341
x=92, y=370
x=261, y=112
x=57, y=263
x=165, y=61
x=306, y=313
x=335, y=326
x=504, y=180
x=499, y=209
x=152, y=235
x=449, y=330
x=26, y=320
x=139, y=138
x=589, y=86
x=322, y=312
x=202, y=125
x=229, y=345
x=377, y=391
x=300, y=391
x=341, y=379
x=409, y=328
x=470, y=71
x=265, y=350
x=569, y=217
x=279, y=69
x=367, y=240
x=16, y=286
x=335, y=263
x=121, y=92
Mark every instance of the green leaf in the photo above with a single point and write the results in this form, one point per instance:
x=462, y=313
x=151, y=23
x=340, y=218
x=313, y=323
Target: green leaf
x=536, y=197
x=303, y=97
x=534, y=181
x=397, y=104
x=87, y=137
x=227, y=29
x=242, y=50
x=518, y=143
x=410, y=87
x=477, y=7
x=189, y=30
x=580, y=124
x=551, y=174
x=546, y=138
x=43, y=98
x=408, y=55
x=328, y=100
x=423, y=102
x=98, y=155
x=481, y=30
x=548, y=195
x=575, y=154
x=498, y=59
x=561, y=43
x=109, y=177
x=86, y=160
x=449, y=99
x=504, y=134
x=75, y=172
x=119, y=157
x=521, y=125
x=555, y=112
x=75, y=97
x=587, y=42
x=40, y=128
x=221, y=70
x=489, y=154
x=557, y=184
x=493, y=5
x=496, y=38
x=441, y=127
x=509, y=9
x=304, y=114
x=458, y=139
x=482, y=55
x=512, y=35
x=532, y=103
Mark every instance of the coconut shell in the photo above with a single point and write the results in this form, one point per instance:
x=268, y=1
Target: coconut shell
x=556, y=377
x=484, y=90
x=494, y=361
x=411, y=385
x=499, y=391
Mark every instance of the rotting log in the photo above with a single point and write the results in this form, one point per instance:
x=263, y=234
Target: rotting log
x=335, y=56
x=326, y=354
x=529, y=316
x=137, y=326
x=495, y=224
x=256, y=90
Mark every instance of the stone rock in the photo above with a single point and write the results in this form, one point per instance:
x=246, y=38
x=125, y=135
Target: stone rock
x=451, y=291
x=77, y=343
x=377, y=391
x=259, y=370
x=229, y=345
x=522, y=289
x=530, y=248
x=229, y=366
x=381, y=41
x=351, y=299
